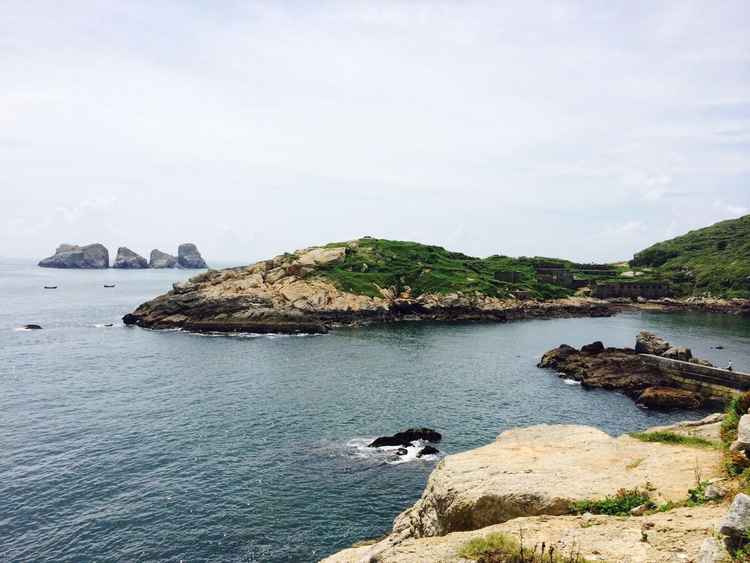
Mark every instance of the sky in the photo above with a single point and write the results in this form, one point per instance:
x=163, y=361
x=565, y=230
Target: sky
x=583, y=130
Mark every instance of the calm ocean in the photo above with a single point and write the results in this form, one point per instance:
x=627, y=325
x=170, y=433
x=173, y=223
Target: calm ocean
x=122, y=444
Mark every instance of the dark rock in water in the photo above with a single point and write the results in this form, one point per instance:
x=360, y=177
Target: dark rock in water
x=406, y=438
x=159, y=259
x=189, y=257
x=720, y=347
x=91, y=256
x=402, y=451
x=593, y=348
x=427, y=450
x=669, y=398
x=128, y=260
x=32, y=327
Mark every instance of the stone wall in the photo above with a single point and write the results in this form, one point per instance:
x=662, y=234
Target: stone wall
x=649, y=290
x=715, y=384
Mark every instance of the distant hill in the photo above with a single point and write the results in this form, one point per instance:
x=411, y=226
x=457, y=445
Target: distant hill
x=714, y=260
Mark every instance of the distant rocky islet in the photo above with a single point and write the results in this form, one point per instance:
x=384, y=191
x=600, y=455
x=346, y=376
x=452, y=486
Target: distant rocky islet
x=96, y=256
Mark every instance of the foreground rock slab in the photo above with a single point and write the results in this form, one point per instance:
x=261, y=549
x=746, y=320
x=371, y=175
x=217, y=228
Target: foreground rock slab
x=674, y=536
x=542, y=470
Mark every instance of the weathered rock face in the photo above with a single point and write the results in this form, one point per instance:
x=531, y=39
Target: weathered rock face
x=92, y=256
x=542, y=470
x=129, y=260
x=737, y=521
x=159, y=259
x=677, y=535
x=189, y=257
x=287, y=294
x=669, y=398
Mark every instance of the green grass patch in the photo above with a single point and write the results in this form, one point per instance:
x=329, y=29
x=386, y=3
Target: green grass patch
x=503, y=548
x=619, y=504
x=674, y=439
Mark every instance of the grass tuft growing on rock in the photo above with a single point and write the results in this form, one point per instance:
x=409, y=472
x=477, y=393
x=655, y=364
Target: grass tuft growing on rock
x=619, y=504
x=502, y=548
x=675, y=439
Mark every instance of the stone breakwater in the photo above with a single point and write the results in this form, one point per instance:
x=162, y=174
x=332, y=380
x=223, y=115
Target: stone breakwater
x=528, y=480
x=287, y=295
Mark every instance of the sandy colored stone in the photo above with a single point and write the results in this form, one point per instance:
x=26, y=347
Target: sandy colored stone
x=674, y=536
x=542, y=470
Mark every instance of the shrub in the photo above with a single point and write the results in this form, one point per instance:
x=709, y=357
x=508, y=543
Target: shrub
x=502, y=548
x=672, y=438
x=619, y=504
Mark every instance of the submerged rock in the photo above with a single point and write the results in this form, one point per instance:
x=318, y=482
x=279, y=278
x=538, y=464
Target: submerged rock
x=92, y=256
x=159, y=259
x=427, y=450
x=32, y=327
x=189, y=257
x=128, y=260
x=406, y=438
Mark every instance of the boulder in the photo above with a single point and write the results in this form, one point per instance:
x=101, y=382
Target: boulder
x=406, y=437
x=128, y=260
x=649, y=343
x=92, y=256
x=542, y=470
x=32, y=327
x=593, y=348
x=736, y=523
x=402, y=451
x=159, y=259
x=713, y=551
x=428, y=450
x=679, y=353
x=743, y=434
x=189, y=257
x=669, y=398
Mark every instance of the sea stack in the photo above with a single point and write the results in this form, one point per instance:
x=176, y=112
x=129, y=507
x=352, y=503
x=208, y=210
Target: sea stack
x=128, y=260
x=159, y=259
x=92, y=256
x=189, y=257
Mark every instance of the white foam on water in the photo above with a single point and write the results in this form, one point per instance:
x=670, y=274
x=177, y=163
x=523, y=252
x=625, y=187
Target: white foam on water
x=571, y=382
x=22, y=329
x=358, y=448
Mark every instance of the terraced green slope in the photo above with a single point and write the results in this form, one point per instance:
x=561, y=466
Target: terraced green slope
x=713, y=260
x=371, y=263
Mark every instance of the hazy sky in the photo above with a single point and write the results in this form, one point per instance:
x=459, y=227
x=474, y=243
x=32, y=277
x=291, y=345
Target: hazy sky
x=585, y=130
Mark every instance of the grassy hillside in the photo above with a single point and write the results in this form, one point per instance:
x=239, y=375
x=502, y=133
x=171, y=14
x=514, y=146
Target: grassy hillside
x=713, y=260
x=373, y=263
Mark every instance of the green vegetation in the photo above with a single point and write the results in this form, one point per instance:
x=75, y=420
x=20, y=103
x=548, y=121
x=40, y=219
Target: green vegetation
x=672, y=438
x=714, y=260
x=502, y=548
x=619, y=504
x=372, y=263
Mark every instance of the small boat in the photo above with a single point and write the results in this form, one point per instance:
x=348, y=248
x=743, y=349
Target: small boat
x=50, y=287
x=112, y=285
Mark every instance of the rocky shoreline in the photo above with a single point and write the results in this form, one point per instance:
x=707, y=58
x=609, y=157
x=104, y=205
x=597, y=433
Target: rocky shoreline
x=739, y=307
x=539, y=482
x=284, y=295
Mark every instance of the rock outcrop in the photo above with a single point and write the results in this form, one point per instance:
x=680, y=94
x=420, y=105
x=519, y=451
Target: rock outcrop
x=289, y=294
x=528, y=480
x=670, y=537
x=189, y=257
x=128, y=260
x=159, y=259
x=406, y=437
x=92, y=256
x=624, y=370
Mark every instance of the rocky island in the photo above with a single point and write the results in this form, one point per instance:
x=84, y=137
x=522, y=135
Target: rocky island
x=96, y=256
x=72, y=256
